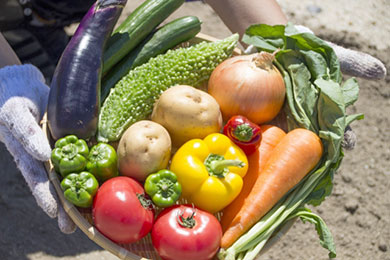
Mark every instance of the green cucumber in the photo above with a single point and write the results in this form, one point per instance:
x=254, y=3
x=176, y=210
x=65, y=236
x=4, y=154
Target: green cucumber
x=142, y=21
x=168, y=36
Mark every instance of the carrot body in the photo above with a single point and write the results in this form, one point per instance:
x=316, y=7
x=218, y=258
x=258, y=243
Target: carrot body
x=270, y=137
x=295, y=155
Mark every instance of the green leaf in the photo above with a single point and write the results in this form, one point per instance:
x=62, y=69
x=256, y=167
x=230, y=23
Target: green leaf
x=350, y=91
x=350, y=118
x=331, y=115
x=260, y=42
x=299, y=97
x=305, y=95
x=322, y=190
x=324, y=234
x=316, y=63
x=310, y=42
x=266, y=37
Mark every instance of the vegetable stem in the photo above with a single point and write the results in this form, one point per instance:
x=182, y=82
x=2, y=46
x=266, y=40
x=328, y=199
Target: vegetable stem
x=261, y=226
x=252, y=253
x=243, y=133
x=188, y=222
x=263, y=60
x=145, y=202
x=217, y=165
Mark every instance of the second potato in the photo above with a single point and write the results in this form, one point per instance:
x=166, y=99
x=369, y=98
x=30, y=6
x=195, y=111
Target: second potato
x=144, y=148
x=187, y=113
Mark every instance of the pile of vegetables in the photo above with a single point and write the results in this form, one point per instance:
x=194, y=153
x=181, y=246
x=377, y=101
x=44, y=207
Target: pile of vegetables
x=205, y=171
x=316, y=99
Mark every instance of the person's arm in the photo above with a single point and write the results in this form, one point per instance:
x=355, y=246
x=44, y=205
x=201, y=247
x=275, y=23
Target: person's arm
x=7, y=54
x=239, y=14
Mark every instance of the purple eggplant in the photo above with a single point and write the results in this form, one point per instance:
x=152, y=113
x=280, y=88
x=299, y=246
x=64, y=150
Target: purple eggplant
x=74, y=99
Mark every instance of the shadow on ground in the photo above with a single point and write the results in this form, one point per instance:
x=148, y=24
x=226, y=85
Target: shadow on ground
x=24, y=228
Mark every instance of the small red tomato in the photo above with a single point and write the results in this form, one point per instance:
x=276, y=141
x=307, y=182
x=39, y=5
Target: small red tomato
x=184, y=232
x=121, y=211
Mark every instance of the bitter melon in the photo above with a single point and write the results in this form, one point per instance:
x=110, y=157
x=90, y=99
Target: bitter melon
x=133, y=97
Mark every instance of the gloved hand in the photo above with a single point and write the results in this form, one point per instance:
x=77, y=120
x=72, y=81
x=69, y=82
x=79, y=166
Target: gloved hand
x=357, y=64
x=23, y=100
x=353, y=63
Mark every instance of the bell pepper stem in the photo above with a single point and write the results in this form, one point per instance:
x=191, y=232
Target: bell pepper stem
x=217, y=165
x=243, y=133
x=69, y=150
x=165, y=186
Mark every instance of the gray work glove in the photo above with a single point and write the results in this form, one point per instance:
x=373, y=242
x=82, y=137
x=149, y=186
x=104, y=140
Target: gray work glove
x=23, y=100
x=353, y=63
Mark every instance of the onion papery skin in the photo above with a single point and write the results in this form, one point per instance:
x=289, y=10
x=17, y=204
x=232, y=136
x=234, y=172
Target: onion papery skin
x=248, y=85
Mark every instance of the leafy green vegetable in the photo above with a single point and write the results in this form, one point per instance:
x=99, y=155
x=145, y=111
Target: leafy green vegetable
x=316, y=100
x=326, y=239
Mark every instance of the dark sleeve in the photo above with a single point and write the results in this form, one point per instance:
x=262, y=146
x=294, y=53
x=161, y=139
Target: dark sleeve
x=61, y=12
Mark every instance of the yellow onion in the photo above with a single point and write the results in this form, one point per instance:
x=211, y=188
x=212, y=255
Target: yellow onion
x=248, y=85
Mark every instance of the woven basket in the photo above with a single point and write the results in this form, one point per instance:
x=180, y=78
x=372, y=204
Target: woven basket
x=142, y=249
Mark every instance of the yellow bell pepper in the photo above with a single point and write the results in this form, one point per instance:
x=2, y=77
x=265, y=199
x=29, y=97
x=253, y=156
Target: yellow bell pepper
x=210, y=171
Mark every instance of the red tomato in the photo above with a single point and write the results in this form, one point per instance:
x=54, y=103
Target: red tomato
x=118, y=213
x=173, y=240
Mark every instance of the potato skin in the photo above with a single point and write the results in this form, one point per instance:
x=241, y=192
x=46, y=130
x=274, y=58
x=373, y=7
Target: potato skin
x=187, y=113
x=144, y=148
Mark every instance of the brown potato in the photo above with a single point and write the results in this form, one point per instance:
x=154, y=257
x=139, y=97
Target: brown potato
x=187, y=113
x=144, y=148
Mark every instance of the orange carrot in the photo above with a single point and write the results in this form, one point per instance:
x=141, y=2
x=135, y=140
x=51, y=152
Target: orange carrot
x=295, y=155
x=270, y=137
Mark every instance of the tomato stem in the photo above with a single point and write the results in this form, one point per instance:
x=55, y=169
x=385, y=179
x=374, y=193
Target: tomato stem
x=188, y=222
x=145, y=202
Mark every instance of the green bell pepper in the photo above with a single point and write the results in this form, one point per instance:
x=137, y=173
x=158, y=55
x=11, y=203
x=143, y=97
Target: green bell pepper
x=69, y=155
x=102, y=162
x=80, y=188
x=163, y=188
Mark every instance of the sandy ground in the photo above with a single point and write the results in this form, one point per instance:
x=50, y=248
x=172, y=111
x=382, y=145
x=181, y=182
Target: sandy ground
x=358, y=211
